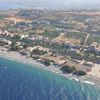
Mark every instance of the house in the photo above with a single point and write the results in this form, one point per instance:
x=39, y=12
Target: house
x=24, y=36
x=97, y=50
x=5, y=43
x=45, y=22
x=88, y=63
x=6, y=33
x=92, y=47
x=19, y=44
x=61, y=62
x=30, y=49
x=41, y=48
x=62, y=22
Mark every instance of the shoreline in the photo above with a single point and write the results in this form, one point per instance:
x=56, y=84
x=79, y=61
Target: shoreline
x=52, y=68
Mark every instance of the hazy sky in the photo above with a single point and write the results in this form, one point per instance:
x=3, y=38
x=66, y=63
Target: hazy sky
x=52, y=3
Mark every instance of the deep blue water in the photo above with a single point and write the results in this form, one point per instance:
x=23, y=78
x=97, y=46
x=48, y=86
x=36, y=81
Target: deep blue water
x=24, y=82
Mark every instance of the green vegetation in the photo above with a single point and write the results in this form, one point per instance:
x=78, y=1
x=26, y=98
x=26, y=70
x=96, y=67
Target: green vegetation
x=13, y=47
x=16, y=38
x=2, y=43
x=38, y=52
x=79, y=73
x=46, y=62
x=50, y=34
x=93, y=38
x=67, y=69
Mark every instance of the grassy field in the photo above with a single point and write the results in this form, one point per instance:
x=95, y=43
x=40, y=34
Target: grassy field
x=93, y=38
x=65, y=38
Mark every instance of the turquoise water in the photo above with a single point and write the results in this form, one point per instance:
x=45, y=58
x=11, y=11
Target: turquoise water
x=23, y=82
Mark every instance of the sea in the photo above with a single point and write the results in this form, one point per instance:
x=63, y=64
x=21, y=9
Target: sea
x=20, y=81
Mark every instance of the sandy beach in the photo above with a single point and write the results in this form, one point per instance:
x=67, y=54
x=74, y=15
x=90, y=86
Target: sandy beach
x=92, y=78
x=12, y=55
x=95, y=71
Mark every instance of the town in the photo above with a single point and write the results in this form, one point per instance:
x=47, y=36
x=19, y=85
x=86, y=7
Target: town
x=70, y=40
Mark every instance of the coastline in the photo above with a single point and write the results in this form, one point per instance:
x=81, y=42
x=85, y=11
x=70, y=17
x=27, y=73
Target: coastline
x=15, y=56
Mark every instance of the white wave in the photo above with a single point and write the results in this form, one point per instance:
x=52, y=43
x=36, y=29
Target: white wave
x=75, y=78
x=88, y=82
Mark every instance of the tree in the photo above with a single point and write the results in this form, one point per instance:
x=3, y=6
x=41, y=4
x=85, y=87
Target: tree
x=80, y=73
x=13, y=47
x=67, y=69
